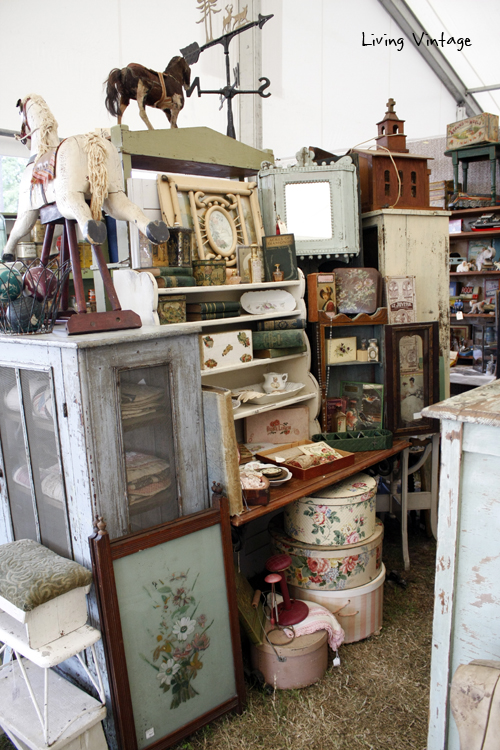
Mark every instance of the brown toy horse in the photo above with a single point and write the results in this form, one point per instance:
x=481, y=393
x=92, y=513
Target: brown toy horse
x=161, y=90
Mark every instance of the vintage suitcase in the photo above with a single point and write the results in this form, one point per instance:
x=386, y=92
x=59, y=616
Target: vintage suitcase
x=225, y=349
x=358, y=611
x=305, y=659
x=329, y=568
x=342, y=514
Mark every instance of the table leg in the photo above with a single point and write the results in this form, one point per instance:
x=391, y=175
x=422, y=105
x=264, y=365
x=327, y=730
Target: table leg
x=404, y=507
x=455, y=173
x=434, y=484
x=465, y=169
x=493, y=172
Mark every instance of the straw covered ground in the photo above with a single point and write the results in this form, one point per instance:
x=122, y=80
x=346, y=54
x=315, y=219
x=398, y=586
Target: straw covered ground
x=376, y=700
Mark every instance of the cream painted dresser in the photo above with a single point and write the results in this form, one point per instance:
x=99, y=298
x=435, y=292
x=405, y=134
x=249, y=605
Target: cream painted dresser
x=467, y=588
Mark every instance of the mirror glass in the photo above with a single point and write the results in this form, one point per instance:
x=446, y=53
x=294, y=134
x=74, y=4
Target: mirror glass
x=411, y=379
x=308, y=210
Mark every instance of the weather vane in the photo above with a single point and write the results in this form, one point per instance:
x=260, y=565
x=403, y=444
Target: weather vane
x=192, y=52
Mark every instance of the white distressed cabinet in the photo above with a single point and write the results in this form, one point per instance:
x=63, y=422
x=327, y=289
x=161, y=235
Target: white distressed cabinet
x=467, y=587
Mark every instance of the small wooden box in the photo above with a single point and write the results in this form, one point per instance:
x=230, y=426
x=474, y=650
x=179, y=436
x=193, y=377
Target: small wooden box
x=225, y=349
x=291, y=451
x=341, y=350
x=278, y=426
x=482, y=128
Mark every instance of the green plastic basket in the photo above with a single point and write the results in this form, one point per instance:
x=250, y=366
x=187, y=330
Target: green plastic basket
x=357, y=440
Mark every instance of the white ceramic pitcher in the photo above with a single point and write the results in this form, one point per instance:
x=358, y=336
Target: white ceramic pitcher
x=274, y=381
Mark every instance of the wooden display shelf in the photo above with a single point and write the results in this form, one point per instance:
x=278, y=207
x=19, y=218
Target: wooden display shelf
x=474, y=235
x=379, y=317
x=296, y=488
x=458, y=274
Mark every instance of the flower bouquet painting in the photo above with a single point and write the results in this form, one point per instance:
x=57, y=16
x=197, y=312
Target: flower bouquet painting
x=181, y=637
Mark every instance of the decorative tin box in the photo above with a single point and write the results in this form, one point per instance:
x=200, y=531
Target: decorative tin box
x=209, y=272
x=172, y=309
x=225, y=349
x=342, y=514
x=278, y=426
x=291, y=451
x=296, y=664
x=482, y=128
x=329, y=568
x=358, y=290
x=341, y=350
x=358, y=611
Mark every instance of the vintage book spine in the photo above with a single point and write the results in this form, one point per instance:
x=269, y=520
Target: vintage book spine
x=281, y=324
x=176, y=270
x=274, y=353
x=168, y=282
x=277, y=339
x=191, y=316
x=213, y=307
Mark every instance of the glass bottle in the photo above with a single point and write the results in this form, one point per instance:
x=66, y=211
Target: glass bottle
x=373, y=350
x=256, y=269
x=278, y=274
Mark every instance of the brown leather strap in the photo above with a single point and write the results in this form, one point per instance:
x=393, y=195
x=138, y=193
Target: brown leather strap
x=161, y=103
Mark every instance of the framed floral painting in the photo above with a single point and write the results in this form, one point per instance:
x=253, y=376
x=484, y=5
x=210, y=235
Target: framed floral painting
x=167, y=604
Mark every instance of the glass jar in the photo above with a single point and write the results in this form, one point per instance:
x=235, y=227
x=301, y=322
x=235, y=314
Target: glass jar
x=372, y=350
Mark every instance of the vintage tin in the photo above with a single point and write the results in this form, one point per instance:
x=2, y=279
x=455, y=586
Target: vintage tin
x=85, y=251
x=209, y=272
x=179, y=246
x=26, y=251
x=341, y=514
x=358, y=611
x=305, y=659
x=225, y=349
x=329, y=568
x=172, y=309
x=481, y=128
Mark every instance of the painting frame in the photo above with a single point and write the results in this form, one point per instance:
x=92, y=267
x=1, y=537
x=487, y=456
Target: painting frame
x=398, y=380
x=362, y=416
x=117, y=560
x=280, y=250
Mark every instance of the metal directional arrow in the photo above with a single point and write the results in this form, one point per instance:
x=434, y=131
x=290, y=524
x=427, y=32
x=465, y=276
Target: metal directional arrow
x=191, y=54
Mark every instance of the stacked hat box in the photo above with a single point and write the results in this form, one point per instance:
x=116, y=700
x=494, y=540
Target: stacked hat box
x=335, y=542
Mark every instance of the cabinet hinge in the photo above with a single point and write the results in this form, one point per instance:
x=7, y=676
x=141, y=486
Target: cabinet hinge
x=65, y=410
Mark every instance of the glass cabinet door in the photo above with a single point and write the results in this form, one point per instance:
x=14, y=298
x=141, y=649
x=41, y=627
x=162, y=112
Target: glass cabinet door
x=31, y=458
x=149, y=448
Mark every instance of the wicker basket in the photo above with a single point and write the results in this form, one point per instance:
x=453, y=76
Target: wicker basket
x=30, y=296
x=357, y=440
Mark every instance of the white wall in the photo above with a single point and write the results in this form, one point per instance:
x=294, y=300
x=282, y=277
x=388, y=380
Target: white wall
x=327, y=90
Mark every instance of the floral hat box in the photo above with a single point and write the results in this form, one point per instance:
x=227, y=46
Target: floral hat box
x=329, y=568
x=342, y=514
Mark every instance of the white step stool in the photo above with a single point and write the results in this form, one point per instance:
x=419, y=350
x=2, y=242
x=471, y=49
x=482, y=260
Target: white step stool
x=43, y=590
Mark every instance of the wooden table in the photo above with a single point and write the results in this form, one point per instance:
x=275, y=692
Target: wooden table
x=480, y=152
x=295, y=488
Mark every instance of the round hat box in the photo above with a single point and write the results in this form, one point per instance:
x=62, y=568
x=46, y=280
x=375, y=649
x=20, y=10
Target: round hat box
x=341, y=514
x=305, y=659
x=358, y=611
x=330, y=568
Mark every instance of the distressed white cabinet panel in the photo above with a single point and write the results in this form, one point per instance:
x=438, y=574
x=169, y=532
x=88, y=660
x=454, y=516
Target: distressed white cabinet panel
x=75, y=412
x=416, y=243
x=467, y=588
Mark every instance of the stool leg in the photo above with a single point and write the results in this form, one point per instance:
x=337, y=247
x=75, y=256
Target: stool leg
x=106, y=278
x=63, y=259
x=47, y=244
x=70, y=230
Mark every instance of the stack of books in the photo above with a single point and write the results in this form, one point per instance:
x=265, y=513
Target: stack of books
x=172, y=276
x=278, y=342
x=212, y=310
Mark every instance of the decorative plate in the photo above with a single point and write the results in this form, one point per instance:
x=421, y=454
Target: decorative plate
x=268, y=301
x=291, y=389
x=284, y=477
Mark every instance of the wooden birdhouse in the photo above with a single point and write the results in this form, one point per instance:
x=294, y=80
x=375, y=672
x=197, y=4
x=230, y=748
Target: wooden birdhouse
x=391, y=177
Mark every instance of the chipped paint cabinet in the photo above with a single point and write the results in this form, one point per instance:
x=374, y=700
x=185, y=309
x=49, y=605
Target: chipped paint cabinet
x=107, y=424
x=467, y=588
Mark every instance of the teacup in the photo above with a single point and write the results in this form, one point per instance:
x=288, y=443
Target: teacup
x=274, y=381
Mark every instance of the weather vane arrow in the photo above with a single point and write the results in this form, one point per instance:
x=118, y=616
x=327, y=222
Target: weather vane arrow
x=192, y=52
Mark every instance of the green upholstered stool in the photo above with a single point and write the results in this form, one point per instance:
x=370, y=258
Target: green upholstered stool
x=43, y=590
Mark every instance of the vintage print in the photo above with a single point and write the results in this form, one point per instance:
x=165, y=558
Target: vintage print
x=401, y=301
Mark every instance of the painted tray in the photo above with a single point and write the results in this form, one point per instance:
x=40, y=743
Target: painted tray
x=358, y=290
x=340, y=515
x=329, y=568
x=358, y=611
x=356, y=440
x=267, y=301
x=291, y=389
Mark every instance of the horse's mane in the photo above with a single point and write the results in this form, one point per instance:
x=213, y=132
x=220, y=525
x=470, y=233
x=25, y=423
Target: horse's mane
x=48, y=124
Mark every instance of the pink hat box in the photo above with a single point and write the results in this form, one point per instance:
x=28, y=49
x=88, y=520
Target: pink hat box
x=329, y=568
x=358, y=611
x=341, y=514
x=305, y=659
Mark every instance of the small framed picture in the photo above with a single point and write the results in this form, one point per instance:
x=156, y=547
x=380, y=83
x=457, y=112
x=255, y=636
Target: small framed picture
x=279, y=250
x=341, y=350
x=365, y=405
x=455, y=226
x=321, y=295
x=491, y=286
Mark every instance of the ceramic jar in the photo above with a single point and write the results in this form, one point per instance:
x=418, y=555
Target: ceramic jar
x=342, y=514
x=274, y=382
x=329, y=568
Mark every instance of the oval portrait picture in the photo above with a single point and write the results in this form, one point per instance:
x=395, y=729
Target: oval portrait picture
x=221, y=231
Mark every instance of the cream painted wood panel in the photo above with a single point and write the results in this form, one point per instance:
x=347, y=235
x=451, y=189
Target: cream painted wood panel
x=416, y=243
x=467, y=587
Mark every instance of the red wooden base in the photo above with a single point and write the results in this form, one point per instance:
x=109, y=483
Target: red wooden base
x=103, y=321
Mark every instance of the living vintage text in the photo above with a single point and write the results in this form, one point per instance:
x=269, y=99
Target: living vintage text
x=371, y=40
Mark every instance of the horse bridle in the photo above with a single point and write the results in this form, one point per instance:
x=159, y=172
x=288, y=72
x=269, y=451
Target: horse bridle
x=26, y=131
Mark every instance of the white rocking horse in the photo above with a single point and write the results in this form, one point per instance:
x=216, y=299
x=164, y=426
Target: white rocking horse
x=69, y=172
